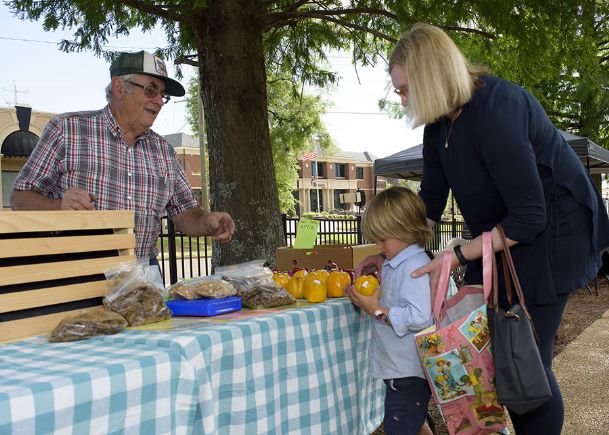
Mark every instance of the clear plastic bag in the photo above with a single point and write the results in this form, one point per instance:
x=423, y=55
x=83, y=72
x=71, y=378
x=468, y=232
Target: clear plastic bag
x=134, y=293
x=86, y=324
x=129, y=276
x=244, y=276
x=202, y=287
x=266, y=295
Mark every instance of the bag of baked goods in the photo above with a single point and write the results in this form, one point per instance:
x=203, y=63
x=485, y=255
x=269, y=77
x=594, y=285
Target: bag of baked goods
x=88, y=323
x=134, y=294
x=266, y=295
x=202, y=287
x=244, y=276
x=255, y=285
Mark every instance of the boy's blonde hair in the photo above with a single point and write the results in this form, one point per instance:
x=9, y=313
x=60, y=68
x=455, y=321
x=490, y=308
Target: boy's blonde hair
x=440, y=79
x=396, y=213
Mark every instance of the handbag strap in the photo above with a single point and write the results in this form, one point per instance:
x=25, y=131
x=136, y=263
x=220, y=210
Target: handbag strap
x=507, y=280
x=512, y=271
x=487, y=279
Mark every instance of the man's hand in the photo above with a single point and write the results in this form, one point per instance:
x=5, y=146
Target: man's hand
x=220, y=225
x=77, y=199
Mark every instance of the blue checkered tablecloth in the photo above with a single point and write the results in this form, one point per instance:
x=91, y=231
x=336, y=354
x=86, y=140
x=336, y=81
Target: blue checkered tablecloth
x=95, y=387
x=303, y=371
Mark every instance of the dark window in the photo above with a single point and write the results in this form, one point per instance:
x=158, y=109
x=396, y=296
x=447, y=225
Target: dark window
x=340, y=171
x=337, y=203
x=317, y=169
x=315, y=205
x=359, y=173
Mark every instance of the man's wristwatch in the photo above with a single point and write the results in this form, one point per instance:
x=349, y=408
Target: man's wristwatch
x=460, y=256
x=381, y=316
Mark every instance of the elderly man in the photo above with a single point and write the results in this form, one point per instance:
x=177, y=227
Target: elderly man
x=110, y=159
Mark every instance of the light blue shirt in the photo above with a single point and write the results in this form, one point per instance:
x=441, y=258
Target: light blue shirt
x=393, y=352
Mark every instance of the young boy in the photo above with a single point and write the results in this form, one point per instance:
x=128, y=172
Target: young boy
x=395, y=220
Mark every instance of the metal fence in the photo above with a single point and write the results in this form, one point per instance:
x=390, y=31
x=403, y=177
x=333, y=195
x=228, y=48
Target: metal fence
x=185, y=257
x=182, y=256
x=348, y=232
x=331, y=231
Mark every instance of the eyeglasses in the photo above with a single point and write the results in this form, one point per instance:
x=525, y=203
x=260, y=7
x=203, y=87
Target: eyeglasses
x=152, y=92
x=402, y=92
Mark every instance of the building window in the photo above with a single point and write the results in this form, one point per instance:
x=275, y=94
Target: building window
x=317, y=169
x=359, y=173
x=8, y=179
x=317, y=203
x=337, y=204
x=340, y=171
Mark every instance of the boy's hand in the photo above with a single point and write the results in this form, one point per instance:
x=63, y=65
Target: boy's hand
x=367, y=303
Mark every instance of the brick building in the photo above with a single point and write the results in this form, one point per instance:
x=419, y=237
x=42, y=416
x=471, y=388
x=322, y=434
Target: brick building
x=324, y=179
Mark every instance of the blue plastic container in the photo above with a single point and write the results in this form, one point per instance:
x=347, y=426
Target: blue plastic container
x=204, y=307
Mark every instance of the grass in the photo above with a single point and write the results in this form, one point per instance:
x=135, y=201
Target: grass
x=186, y=244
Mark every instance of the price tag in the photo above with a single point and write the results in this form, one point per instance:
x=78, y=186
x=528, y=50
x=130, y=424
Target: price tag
x=306, y=233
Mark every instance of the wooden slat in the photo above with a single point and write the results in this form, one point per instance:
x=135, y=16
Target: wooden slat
x=49, y=296
x=23, y=328
x=12, y=275
x=10, y=248
x=61, y=220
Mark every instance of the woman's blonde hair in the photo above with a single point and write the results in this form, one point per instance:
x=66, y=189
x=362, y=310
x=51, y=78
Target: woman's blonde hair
x=396, y=213
x=440, y=79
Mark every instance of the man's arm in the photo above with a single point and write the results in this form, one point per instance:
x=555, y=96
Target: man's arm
x=73, y=199
x=197, y=222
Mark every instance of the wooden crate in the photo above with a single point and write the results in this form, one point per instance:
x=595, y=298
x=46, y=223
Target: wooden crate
x=52, y=264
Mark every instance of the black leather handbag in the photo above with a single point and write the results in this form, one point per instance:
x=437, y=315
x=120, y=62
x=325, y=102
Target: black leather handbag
x=520, y=378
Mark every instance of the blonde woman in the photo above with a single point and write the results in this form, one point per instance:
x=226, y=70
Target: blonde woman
x=493, y=145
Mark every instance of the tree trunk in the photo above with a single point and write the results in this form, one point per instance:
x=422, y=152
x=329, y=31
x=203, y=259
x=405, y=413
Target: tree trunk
x=242, y=176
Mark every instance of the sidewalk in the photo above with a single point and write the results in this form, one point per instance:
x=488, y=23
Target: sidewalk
x=582, y=370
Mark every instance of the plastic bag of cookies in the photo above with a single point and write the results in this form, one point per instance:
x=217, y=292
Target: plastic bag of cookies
x=202, y=287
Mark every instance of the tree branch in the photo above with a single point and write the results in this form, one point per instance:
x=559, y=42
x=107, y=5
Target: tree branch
x=353, y=26
x=187, y=59
x=469, y=30
x=158, y=10
x=279, y=19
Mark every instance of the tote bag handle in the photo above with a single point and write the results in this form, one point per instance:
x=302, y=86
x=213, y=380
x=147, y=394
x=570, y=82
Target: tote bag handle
x=487, y=277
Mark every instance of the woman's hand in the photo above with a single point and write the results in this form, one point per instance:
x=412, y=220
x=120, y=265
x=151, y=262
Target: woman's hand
x=433, y=269
x=367, y=303
x=368, y=266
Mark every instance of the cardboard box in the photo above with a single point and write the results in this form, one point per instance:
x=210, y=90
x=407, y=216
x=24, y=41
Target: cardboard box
x=345, y=257
x=52, y=265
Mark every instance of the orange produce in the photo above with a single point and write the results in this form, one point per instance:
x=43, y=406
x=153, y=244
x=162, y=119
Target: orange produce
x=296, y=287
x=315, y=288
x=366, y=284
x=336, y=284
x=281, y=279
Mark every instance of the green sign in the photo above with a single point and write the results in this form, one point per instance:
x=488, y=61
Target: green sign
x=306, y=233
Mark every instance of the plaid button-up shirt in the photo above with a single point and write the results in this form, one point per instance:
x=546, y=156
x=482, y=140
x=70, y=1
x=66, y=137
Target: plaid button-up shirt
x=86, y=150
